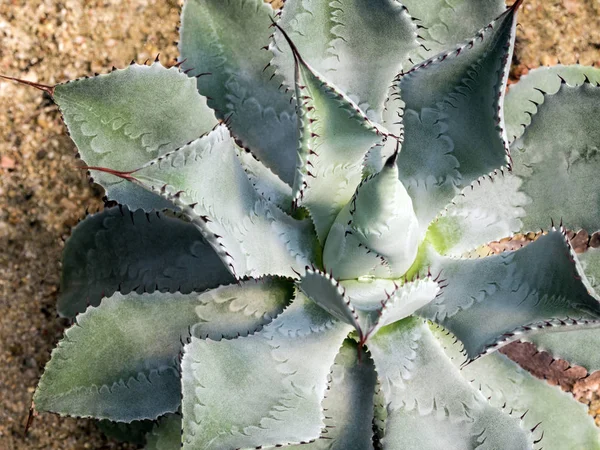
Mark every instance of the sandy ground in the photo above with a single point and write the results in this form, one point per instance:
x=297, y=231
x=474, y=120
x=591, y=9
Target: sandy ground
x=42, y=196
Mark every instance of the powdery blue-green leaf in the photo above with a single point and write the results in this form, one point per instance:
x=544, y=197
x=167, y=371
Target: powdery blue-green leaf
x=573, y=343
x=429, y=404
x=453, y=126
x=250, y=234
x=240, y=309
x=377, y=232
x=517, y=292
x=576, y=344
x=348, y=403
x=261, y=390
x=564, y=423
x=326, y=291
x=344, y=38
x=224, y=40
x=521, y=99
x=488, y=210
x=130, y=116
x=266, y=182
x=404, y=301
x=444, y=24
x=166, y=434
x=125, y=251
x=120, y=360
x=335, y=135
x=368, y=293
x=557, y=158
x=590, y=264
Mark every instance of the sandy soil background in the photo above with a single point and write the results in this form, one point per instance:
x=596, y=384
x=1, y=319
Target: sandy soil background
x=42, y=196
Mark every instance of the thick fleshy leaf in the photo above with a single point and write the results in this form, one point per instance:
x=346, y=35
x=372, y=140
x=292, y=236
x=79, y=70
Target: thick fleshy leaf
x=368, y=293
x=326, y=291
x=444, y=24
x=130, y=116
x=517, y=292
x=335, y=135
x=486, y=211
x=120, y=361
x=359, y=45
x=348, y=403
x=266, y=182
x=377, y=232
x=224, y=40
x=240, y=309
x=265, y=389
x=404, y=301
x=166, y=434
x=590, y=264
x=429, y=404
x=250, y=234
x=125, y=251
x=576, y=344
x=558, y=157
x=522, y=97
x=560, y=421
x=453, y=126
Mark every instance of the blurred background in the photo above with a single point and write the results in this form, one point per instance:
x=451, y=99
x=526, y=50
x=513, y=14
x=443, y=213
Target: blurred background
x=42, y=195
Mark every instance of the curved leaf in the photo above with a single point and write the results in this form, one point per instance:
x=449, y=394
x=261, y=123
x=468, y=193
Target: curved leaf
x=377, y=232
x=488, y=210
x=453, y=126
x=559, y=421
x=429, y=404
x=335, y=135
x=521, y=99
x=125, y=251
x=367, y=293
x=326, y=291
x=516, y=292
x=127, y=117
x=590, y=264
x=266, y=182
x=251, y=235
x=359, y=45
x=224, y=40
x=120, y=361
x=557, y=159
x=444, y=24
x=348, y=403
x=265, y=389
x=576, y=344
x=404, y=301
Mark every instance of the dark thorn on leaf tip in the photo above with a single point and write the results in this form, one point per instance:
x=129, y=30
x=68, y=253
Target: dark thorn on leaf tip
x=42, y=87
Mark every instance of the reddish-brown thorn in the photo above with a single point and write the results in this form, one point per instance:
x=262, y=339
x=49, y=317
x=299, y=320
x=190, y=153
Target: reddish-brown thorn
x=118, y=173
x=42, y=87
x=29, y=419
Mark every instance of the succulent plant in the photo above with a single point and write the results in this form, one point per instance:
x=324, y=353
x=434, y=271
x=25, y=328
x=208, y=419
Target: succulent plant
x=300, y=200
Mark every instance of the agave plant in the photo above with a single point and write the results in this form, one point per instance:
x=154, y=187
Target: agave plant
x=300, y=199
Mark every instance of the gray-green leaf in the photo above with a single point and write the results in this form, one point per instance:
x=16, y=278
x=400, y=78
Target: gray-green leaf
x=261, y=390
x=224, y=40
x=516, y=292
x=130, y=116
x=125, y=251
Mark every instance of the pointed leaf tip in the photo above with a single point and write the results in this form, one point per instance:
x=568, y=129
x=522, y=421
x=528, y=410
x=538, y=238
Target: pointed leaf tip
x=516, y=5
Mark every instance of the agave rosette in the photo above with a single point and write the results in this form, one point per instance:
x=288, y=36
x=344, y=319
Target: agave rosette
x=288, y=263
